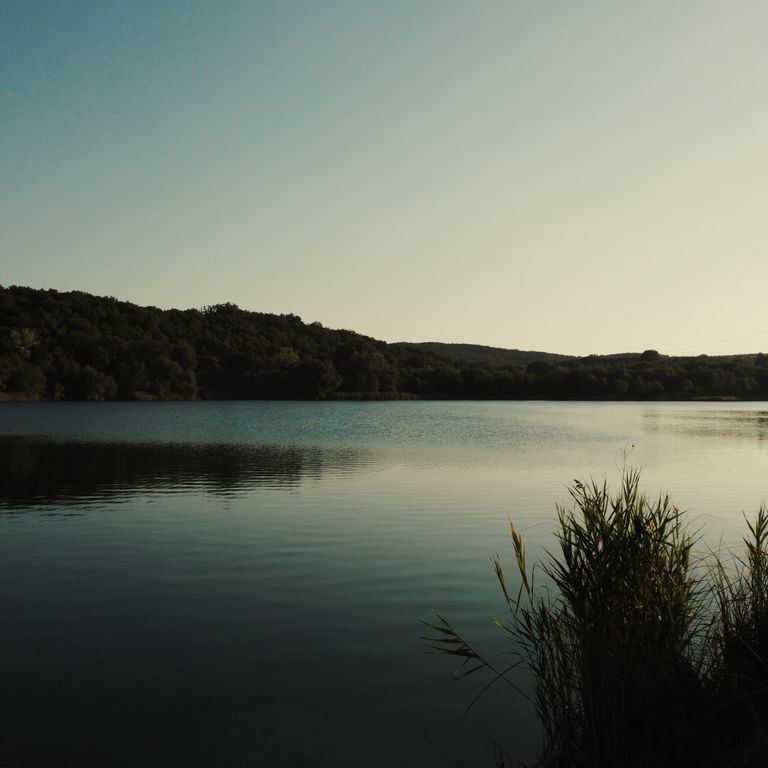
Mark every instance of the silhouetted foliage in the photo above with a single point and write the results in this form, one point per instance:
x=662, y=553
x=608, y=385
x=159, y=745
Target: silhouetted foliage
x=480, y=354
x=76, y=346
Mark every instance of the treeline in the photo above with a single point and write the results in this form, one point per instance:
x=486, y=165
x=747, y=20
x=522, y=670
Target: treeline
x=76, y=346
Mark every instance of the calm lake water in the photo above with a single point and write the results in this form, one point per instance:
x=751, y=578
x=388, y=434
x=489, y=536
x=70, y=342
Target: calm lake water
x=241, y=583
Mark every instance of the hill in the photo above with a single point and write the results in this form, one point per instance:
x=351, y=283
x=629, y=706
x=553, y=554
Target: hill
x=76, y=346
x=482, y=355
x=56, y=345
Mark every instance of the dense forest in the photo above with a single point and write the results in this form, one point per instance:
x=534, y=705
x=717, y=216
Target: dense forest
x=75, y=346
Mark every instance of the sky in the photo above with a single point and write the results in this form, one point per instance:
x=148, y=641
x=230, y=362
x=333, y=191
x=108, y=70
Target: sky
x=574, y=177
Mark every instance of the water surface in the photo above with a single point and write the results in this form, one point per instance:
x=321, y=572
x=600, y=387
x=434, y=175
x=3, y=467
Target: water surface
x=232, y=584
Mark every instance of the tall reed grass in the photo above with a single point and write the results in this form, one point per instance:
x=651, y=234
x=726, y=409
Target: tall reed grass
x=638, y=655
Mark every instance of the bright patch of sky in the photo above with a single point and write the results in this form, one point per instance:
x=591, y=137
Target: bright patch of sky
x=570, y=177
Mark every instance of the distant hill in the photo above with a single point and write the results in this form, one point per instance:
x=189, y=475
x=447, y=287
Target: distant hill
x=75, y=346
x=479, y=354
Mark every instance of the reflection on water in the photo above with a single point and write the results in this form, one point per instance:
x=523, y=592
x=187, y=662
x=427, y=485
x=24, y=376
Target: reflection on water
x=732, y=424
x=38, y=471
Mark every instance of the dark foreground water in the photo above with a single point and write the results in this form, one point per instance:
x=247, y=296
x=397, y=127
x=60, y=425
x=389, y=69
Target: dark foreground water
x=241, y=584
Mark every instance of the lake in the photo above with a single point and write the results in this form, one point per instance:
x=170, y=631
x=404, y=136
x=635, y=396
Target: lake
x=241, y=583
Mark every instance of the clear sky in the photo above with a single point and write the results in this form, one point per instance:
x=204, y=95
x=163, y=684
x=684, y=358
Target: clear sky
x=573, y=177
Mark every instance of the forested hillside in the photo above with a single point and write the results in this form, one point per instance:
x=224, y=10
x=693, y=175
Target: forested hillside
x=80, y=347
x=479, y=354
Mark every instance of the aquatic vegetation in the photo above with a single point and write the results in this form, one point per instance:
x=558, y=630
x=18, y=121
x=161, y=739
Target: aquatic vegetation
x=743, y=606
x=638, y=655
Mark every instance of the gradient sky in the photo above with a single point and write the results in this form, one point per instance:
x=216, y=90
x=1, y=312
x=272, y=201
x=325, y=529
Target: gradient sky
x=578, y=177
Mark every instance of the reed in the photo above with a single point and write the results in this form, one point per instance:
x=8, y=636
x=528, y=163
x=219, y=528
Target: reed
x=743, y=606
x=741, y=638
x=632, y=660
